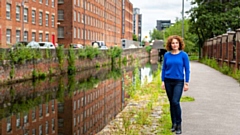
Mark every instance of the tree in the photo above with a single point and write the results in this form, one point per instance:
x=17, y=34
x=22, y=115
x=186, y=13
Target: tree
x=189, y=38
x=213, y=18
x=155, y=34
x=134, y=37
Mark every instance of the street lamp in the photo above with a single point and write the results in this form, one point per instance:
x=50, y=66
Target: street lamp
x=183, y=19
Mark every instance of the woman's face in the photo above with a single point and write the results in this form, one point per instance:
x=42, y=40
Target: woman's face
x=175, y=44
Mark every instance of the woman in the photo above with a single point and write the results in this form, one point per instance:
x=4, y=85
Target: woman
x=175, y=78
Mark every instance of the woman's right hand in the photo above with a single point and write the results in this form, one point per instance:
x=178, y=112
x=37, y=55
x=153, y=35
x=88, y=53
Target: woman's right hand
x=163, y=86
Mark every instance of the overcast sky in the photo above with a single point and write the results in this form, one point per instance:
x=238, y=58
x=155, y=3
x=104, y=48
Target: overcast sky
x=153, y=10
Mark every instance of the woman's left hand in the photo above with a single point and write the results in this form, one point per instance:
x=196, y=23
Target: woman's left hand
x=185, y=88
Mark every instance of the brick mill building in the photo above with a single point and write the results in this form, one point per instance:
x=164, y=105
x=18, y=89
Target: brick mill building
x=102, y=21
x=27, y=20
x=63, y=21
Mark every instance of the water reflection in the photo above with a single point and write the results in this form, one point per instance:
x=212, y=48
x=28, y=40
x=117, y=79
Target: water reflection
x=66, y=105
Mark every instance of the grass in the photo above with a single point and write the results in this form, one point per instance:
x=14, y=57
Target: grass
x=187, y=99
x=136, y=119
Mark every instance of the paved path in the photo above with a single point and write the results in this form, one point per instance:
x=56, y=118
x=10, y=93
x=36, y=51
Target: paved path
x=216, y=109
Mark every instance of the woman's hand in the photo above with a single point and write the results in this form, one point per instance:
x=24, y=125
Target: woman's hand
x=163, y=86
x=185, y=88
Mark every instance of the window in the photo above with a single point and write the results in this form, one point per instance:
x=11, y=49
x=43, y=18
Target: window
x=46, y=2
x=8, y=11
x=8, y=35
x=40, y=1
x=33, y=36
x=78, y=38
x=25, y=37
x=47, y=38
x=53, y=21
x=53, y=124
x=60, y=1
x=47, y=110
x=75, y=2
x=40, y=40
x=25, y=118
x=34, y=131
x=33, y=16
x=47, y=16
x=74, y=35
x=18, y=33
x=60, y=14
x=18, y=120
x=25, y=15
x=53, y=3
x=79, y=17
x=18, y=8
x=60, y=122
x=40, y=18
x=40, y=130
x=9, y=124
x=60, y=32
x=74, y=15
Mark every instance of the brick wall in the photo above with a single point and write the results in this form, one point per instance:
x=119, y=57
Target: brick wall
x=24, y=71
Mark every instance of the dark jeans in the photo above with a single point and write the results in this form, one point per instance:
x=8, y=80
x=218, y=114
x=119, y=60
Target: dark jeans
x=174, y=89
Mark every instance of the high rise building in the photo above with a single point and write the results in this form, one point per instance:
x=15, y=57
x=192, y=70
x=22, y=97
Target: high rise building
x=31, y=20
x=162, y=24
x=137, y=23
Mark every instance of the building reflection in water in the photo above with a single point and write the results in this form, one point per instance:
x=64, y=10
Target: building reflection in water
x=64, y=105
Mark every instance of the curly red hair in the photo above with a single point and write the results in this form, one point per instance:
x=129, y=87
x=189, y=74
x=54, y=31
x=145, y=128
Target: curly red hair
x=179, y=39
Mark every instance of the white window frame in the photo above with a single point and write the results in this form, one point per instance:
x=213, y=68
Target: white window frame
x=25, y=36
x=18, y=11
x=18, y=35
x=47, y=37
x=53, y=20
x=47, y=19
x=40, y=37
x=33, y=16
x=60, y=14
x=8, y=36
x=33, y=36
x=40, y=18
x=60, y=32
x=25, y=14
x=8, y=11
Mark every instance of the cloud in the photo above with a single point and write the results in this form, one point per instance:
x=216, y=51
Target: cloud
x=159, y=10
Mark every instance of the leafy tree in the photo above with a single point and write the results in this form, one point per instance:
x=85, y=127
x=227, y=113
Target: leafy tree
x=155, y=34
x=134, y=37
x=189, y=38
x=212, y=18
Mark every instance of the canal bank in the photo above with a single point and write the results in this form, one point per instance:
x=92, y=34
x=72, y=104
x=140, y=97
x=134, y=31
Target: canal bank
x=42, y=63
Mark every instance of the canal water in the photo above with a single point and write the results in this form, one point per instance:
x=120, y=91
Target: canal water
x=80, y=104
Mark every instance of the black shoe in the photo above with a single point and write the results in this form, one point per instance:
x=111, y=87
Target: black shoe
x=178, y=129
x=173, y=129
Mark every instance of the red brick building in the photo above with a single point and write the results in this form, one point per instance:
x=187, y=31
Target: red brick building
x=102, y=21
x=127, y=21
x=88, y=111
x=38, y=19
x=38, y=121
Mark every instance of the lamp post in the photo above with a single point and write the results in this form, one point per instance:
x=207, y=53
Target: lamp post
x=23, y=1
x=183, y=19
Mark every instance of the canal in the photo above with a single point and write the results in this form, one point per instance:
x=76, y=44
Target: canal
x=79, y=104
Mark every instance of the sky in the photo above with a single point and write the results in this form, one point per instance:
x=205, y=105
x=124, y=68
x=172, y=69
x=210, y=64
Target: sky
x=153, y=10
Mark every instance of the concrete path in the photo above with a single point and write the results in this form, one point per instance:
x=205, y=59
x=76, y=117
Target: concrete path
x=216, y=109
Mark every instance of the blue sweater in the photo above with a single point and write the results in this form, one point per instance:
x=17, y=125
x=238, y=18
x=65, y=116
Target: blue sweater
x=174, y=66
